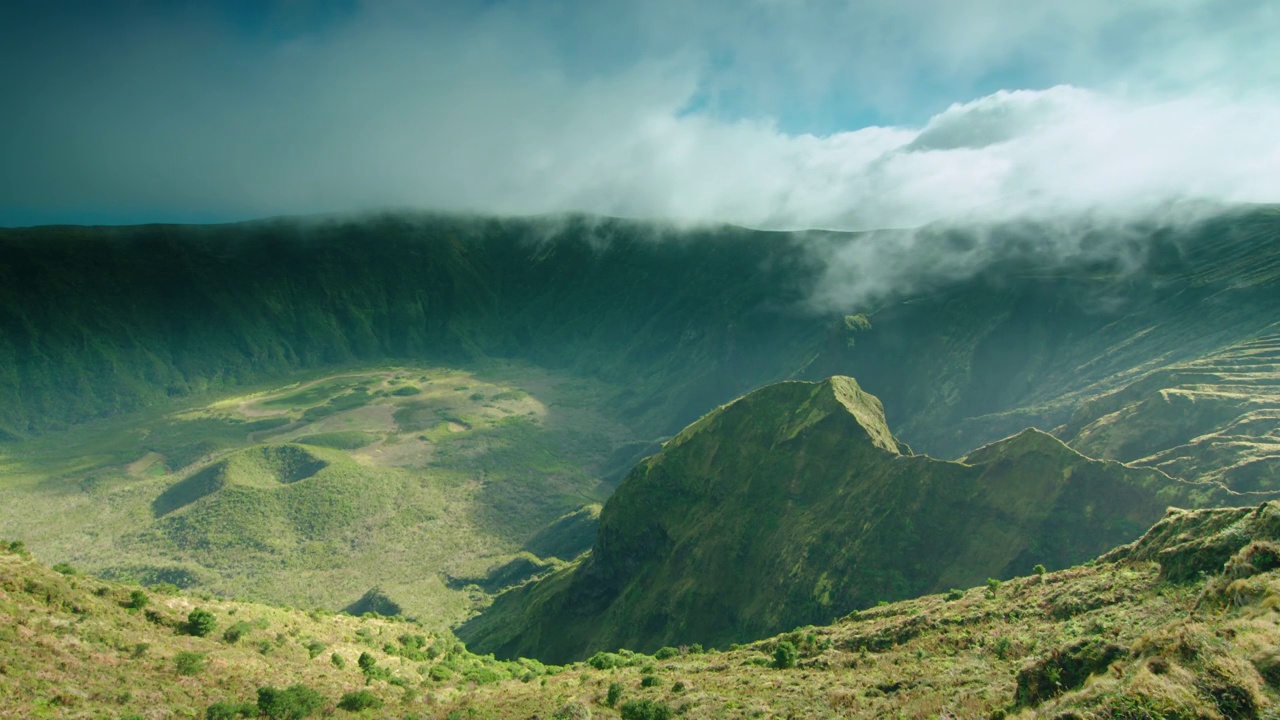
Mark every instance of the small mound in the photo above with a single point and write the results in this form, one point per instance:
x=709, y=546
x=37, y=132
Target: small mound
x=263, y=466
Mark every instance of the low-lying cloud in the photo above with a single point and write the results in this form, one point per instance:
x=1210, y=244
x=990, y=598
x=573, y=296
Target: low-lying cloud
x=397, y=107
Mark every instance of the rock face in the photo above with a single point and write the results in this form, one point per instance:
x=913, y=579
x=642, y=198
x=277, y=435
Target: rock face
x=794, y=505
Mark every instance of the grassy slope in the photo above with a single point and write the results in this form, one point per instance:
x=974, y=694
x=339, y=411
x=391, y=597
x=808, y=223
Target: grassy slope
x=216, y=496
x=792, y=505
x=1181, y=623
x=74, y=648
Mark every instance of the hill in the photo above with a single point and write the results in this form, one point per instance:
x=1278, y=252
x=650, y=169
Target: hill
x=794, y=505
x=1180, y=623
x=482, y=378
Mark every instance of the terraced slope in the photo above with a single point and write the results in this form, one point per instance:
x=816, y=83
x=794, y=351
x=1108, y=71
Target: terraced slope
x=1215, y=418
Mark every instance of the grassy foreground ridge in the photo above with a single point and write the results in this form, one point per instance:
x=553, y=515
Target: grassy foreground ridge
x=1179, y=624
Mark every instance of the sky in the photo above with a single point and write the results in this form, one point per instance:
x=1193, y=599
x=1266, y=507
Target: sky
x=839, y=114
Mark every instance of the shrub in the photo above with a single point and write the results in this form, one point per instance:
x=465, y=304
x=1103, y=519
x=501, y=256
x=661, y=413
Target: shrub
x=1038, y=569
x=954, y=594
x=606, y=661
x=201, y=622
x=358, y=700
x=369, y=666
x=314, y=648
x=572, y=711
x=338, y=661
x=138, y=600
x=993, y=586
x=785, y=655
x=665, y=653
x=64, y=569
x=646, y=710
x=189, y=663
x=293, y=703
x=440, y=673
x=614, y=695
x=238, y=630
x=650, y=681
x=230, y=711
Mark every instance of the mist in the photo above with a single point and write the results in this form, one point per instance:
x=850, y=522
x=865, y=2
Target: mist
x=764, y=114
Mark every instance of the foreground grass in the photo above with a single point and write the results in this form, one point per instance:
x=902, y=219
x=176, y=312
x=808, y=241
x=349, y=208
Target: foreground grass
x=1163, y=628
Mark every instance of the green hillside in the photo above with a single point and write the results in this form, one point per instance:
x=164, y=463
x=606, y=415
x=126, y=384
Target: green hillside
x=313, y=493
x=794, y=505
x=1181, y=623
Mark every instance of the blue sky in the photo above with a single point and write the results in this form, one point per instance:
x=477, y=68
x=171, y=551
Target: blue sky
x=772, y=113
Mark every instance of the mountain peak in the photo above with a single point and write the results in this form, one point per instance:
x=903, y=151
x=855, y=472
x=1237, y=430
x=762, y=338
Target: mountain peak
x=784, y=411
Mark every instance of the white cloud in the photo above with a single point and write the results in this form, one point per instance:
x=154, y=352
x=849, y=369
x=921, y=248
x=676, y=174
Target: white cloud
x=399, y=107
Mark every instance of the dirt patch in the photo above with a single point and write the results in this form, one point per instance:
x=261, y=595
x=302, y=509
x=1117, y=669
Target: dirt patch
x=142, y=464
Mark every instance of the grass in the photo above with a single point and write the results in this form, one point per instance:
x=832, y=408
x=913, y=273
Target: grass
x=793, y=505
x=1112, y=638
x=341, y=440
x=71, y=648
x=316, y=512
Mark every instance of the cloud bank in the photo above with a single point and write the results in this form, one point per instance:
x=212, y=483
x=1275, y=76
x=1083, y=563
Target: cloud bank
x=718, y=111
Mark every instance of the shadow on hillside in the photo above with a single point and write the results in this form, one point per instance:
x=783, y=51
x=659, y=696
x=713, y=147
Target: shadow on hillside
x=185, y=492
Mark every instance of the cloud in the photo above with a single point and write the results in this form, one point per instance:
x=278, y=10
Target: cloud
x=661, y=109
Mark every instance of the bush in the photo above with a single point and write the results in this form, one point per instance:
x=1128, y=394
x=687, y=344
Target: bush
x=1038, y=569
x=189, y=663
x=138, y=600
x=993, y=587
x=230, y=711
x=665, y=653
x=293, y=703
x=650, y=681
x=606, y=661
x=646, y=710
x=63, y=569
x=572, y=711
x=440, y=673
x=314, y=647
x=369, y=666
x=785, y=655
x=358, y=700
x=954, y=594
x=615, y=694
x=201, y=622
x=237, y=631
x=338, y=661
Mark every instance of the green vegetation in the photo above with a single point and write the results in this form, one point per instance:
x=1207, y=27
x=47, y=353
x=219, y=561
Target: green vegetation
x=269, y=517
x=781, y=528
x=189, y=663
x=292, y=703
x=348, y=440
x=358, y=700
x=200, y=622
x=785, y=655
x=615, y=693
x=122, y=452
